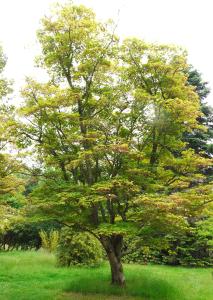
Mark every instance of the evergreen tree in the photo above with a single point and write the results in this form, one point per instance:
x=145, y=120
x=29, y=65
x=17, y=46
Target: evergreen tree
x=201, y=140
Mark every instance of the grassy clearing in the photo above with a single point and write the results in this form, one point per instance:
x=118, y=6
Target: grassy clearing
x=33, y=275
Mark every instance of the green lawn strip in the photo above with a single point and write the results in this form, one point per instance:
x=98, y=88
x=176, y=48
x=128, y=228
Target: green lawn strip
x=78, y=296
x=34, y=275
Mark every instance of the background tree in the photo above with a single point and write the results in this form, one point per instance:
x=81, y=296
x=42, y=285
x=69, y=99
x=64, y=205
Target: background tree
x=200, y=140
x=10, y=185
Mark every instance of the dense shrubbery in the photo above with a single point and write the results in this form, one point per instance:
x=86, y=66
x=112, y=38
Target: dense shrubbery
x=134, y=251
x=25, y=235
x=78, y=249
x=190, y=251
x=194, y=249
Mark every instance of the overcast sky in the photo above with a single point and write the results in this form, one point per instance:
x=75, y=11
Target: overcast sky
x=184, y=22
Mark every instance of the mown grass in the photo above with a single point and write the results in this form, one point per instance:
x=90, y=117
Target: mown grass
x=33, y=275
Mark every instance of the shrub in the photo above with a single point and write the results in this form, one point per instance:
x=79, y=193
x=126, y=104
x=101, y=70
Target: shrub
x=49, y=240
x=78, y=249
x=135, y=252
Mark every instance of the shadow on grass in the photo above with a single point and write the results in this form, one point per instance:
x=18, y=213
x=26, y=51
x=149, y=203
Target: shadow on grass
x=78, y=296
x=144, y=284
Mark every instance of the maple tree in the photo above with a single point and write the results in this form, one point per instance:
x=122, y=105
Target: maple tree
x=106, y=132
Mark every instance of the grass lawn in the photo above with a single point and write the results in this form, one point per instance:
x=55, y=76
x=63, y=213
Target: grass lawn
x=33, y=275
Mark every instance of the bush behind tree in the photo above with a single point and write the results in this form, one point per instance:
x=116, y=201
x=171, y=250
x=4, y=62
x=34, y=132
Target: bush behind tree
x=192, y=250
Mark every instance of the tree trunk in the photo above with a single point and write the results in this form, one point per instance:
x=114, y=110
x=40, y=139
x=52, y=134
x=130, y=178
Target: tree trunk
x=116, y=269
x=153, y=156
x=113, y=246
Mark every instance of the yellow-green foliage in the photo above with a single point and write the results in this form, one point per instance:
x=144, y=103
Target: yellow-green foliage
x=49, y=240
x=78, y=249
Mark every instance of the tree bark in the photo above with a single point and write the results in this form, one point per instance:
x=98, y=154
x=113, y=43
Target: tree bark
x=153, y=156
x=113, y=246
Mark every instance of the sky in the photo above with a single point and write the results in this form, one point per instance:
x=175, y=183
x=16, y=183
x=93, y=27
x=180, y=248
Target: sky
x=186, y=23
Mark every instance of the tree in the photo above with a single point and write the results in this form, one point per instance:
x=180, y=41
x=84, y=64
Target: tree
x=201, y=140
x=107, y=131
x=10, y=184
